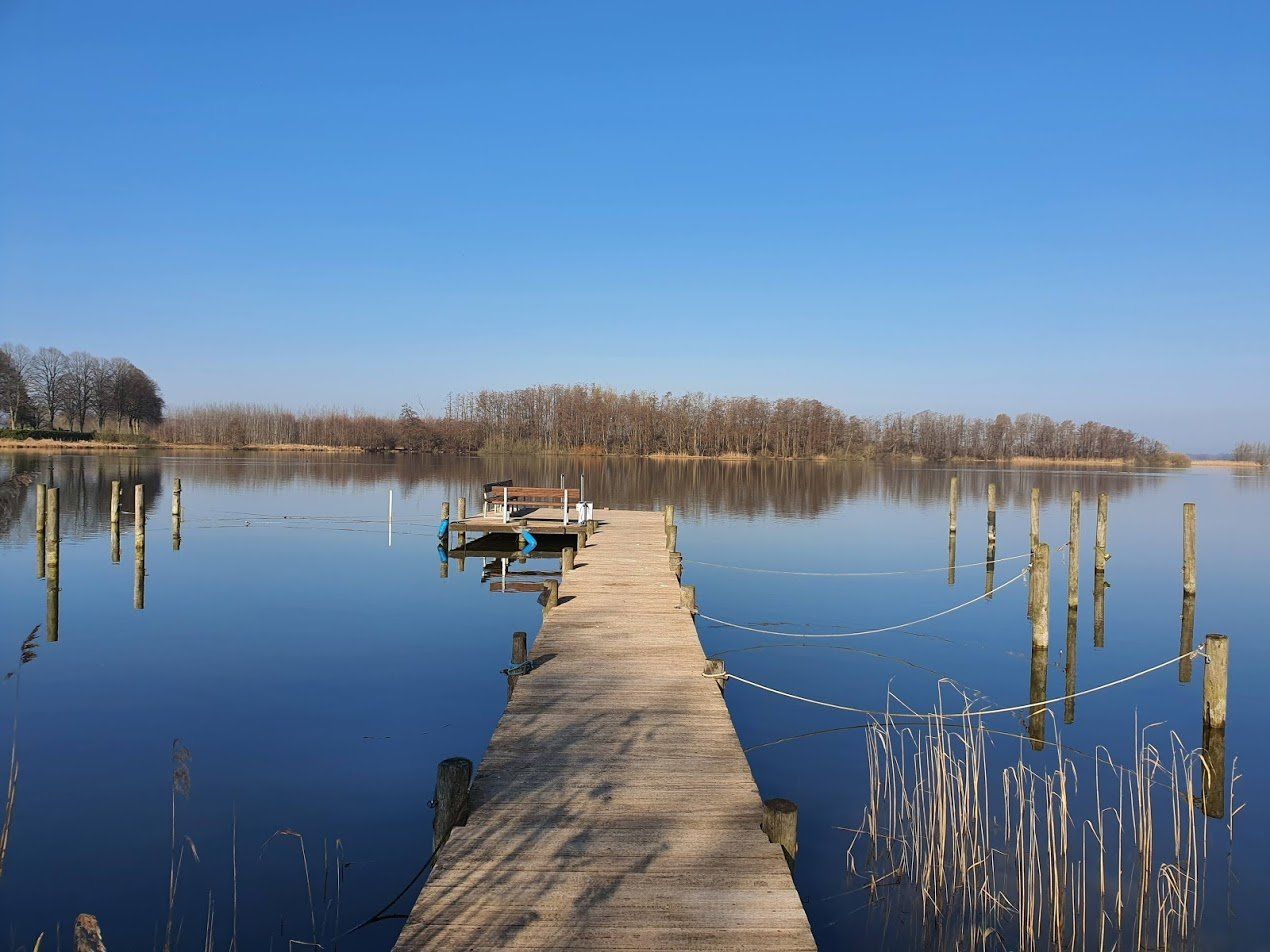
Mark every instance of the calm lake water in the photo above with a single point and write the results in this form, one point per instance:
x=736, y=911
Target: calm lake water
x=316, y=674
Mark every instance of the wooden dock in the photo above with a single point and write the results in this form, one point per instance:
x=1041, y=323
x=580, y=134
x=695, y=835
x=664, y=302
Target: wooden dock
x=614, y=807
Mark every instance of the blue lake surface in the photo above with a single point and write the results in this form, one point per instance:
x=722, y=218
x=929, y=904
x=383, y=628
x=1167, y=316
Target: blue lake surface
x=316, y=674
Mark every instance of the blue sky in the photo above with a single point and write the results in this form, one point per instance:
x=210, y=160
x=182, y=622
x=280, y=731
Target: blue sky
x=1058, y=208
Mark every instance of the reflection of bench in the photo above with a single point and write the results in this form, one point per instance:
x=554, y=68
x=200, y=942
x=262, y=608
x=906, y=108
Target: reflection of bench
x=508, y=498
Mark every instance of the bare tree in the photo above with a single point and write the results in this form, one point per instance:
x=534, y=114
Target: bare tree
x=15, y=364
x=46, y=380
x=77, y=387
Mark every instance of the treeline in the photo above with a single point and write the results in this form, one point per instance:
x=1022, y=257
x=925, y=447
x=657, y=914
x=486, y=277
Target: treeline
x=596, y=420
x=1253, y=453
x=49, y=389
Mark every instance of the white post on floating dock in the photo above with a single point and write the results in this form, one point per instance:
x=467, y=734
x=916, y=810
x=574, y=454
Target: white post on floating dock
x=566, y=503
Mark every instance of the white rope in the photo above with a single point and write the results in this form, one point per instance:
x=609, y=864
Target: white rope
x=941, y=568
x=867, y=631
x=1000, y=710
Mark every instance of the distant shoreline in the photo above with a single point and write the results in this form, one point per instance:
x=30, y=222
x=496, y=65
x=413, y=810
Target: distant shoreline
x=93, y=446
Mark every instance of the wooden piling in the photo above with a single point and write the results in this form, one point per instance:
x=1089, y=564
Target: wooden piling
x=1037, y=693
x=716, y=671
x=1100, y=536
x=52, y=530
x=1073, y=553
x=139, y=547
x=176, y=515
x=780, y=823
x=992, y=514
x=176, y=498
x=1188, y=548
x=41, y=511
x=520, y=652
x=1069, y=683
x=114, y=520
x=1039, y=590
x=591, y=526
x=952, y=505
x=672, y=537
x=462, y=507
x=550, y=595
x=1100, y=609
x=688, y=598
x=1216, y=677
x=582, y=537
x=990, y=569
x=1186, y=641
x=452, y=801
x=952, y=558
x=668, y=511
x=1213, y=772
x=566, y=560
x=1035, y=534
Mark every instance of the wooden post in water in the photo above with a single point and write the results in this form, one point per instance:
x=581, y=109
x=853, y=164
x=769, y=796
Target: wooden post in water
x=1187, y=640
x=1040, y=592
x=1073, y=553
x=1188, y=548
x=668, y=511
x=952, y=558
x=717, y=672
x=672, y=537
x=566, y=560
x=1100, y=609
x=688, y=598
x=520, y=652
x=677, y=564
x=990, y=569
x=780, y=823
x=992, y=515
x=1100, y=538
x=139, y=547
x=176, y=498
x=1035, y=534
x=952, y=504
x=462, y=536
x=1216, y=676
x=114, y=520
x=52, y=563
x=462, y=507
x=550, y=596
x=88, y=937
x=1037, y=694
x=41, y=508
x=1069, y=684
x=452, y=801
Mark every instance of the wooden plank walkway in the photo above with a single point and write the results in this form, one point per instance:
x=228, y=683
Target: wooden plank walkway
x=614, y=807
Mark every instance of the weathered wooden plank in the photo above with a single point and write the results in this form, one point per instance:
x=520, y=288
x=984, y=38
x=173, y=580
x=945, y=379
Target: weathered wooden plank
x=614, y=808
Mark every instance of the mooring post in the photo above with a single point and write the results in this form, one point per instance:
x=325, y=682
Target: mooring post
x=668, y=512
x=591, y=526
x=1073, y=553
x=582, y=535
x=1038, y=687
x=1216, y=676
x=1187, y=640
x=566, y=560
x=952, y=558
x=990, y=568
x=52, y=530
x=992, y=514
x=1040, y=591
x=550, y=595
x=462, y=507
x=672, y=538
x=114, y=520
x=780, y=823
x=688, y=598
x=41, y=511
x=520, y=652
x=1069, y=702
x=1100, y=609
x=176, y=498
x=139, y=547
x=716, y=671
x=1035, y=534
x=452, y=801
x=952, y=504
x=1188, y=548
x=1100, y=537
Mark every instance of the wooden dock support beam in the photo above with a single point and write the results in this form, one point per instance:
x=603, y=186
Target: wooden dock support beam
x=668, y=511
x=1188, y=548
x=688, y=598
x=780, y=823
x=452, y=801
x=1039, y=590
x=566, y=560
x=672, y=537
x=1073, y=553
x=716, y=670
x=550, y=596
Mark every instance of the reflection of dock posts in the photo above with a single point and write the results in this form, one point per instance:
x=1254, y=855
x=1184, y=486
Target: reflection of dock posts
x=1073, y=553
x=550, y=596
x=41, y=506
x=952, y=558
x=992, y=515
x=452, y=800
x=566, y=560
x=176, y=515
x=114, y=520
x=1188, y=548
x=1069, y=682
x=990, y=568
x=139, y=547
x=1100, y=538
x=952, y=505
x=688, y=598
x=1039, y=592
x=52, y=562
x=1187, y=640
x=1036, y=695
x=1216, y=676
x=520, y=652
x=1100, y=609
x=672, y=537
x=780, y=823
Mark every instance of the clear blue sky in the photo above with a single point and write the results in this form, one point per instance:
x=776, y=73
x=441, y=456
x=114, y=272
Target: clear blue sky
x=1061, y=208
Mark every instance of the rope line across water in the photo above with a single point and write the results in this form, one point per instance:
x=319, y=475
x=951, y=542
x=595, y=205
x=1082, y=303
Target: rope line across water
x=1031, y=706
x=867, y=631
x=941, y=568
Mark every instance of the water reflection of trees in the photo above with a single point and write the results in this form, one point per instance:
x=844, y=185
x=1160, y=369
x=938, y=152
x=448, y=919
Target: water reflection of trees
x=794, y=489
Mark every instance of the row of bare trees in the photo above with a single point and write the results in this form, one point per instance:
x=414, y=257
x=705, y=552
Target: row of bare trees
x=46, y=387
x=595, y=419
x=1253, y=453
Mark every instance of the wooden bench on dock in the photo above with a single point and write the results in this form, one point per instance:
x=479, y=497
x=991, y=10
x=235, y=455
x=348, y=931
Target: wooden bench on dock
x=614, y=808
x=511, y=500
